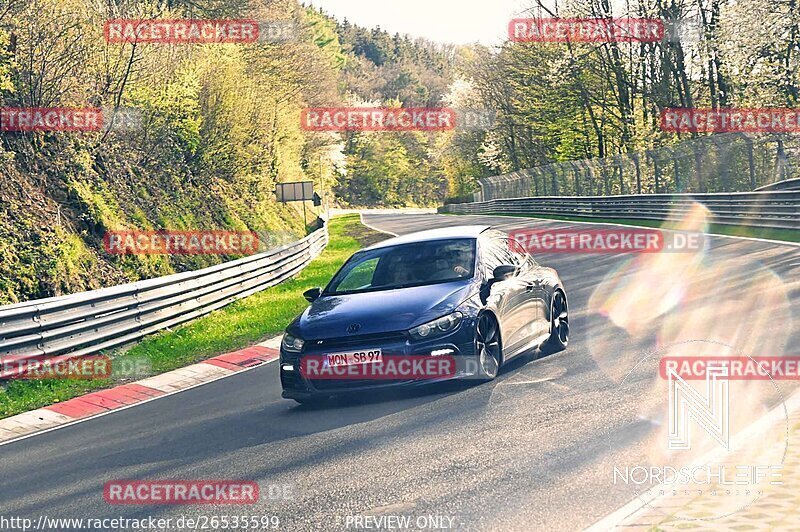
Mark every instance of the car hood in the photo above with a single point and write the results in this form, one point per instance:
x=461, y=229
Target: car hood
x=381, y=311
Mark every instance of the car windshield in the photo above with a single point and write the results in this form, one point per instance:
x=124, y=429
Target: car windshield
x=404, y=265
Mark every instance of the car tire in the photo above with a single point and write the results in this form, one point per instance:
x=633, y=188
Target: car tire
x=488, y=348
x=559, y=324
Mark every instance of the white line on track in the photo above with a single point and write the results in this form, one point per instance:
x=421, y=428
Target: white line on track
x=361, y=214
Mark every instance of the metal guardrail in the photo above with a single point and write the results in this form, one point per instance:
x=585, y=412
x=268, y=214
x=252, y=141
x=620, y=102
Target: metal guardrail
x=789, y=184
x=65, y=327
x=774, y=210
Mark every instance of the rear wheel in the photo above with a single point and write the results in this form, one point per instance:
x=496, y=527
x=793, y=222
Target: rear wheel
x=487, y=347
x=559, y=324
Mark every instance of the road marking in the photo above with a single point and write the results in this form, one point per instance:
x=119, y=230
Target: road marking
x=361, y=215
x=535, y=381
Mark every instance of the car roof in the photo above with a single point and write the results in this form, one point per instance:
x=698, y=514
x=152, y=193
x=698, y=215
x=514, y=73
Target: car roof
x=445, y=233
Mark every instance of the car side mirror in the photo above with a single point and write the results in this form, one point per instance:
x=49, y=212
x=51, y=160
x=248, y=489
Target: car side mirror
x=503, y=272
x=312, y=294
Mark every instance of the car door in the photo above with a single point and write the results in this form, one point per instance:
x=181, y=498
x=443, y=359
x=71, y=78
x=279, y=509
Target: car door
x=536, y=298
x=505, y=297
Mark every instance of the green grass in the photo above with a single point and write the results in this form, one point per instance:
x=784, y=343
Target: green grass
x=787, y=235
x=236, y=326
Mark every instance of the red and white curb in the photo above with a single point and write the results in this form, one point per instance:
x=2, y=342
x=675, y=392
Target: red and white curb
x=124, y=396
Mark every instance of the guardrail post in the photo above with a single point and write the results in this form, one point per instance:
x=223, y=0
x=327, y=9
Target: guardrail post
x=751, y=166
x=723, y=154
x=676, y=174
x=554, y=180
x=138, y=303
x=780, y=159
x=37, y=317
x=577, y=178
x=616, y=165
x=635, y=157
x=699, y=151
x=656, y=170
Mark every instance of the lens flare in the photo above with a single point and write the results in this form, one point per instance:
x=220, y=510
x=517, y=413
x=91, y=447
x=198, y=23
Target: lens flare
x=712, y=302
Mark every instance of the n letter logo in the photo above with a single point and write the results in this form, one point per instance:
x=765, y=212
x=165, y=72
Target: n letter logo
x=711, y=412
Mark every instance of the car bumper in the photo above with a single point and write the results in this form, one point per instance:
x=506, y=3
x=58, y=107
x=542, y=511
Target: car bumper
x=297, y=385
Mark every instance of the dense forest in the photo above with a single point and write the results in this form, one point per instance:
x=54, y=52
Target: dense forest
x=218, y=123
x=218, y=128
x=599, y=101
x=559, y=102
x=392, y=168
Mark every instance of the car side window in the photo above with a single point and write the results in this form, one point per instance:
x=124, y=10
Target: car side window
x=490, y=259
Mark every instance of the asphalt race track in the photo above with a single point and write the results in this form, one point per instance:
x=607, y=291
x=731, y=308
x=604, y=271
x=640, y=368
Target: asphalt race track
x=532, y=450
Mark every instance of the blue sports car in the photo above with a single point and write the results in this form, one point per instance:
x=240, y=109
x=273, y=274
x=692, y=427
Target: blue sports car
x=425, y=307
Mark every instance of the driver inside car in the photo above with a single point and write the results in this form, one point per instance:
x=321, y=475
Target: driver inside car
x=461, y=264
x=457, y=263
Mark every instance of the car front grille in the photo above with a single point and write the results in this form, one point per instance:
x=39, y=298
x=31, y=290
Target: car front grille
x=364, y=340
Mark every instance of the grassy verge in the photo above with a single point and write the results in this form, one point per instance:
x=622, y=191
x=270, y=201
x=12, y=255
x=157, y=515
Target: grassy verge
x=787, y=235
x=234, y=327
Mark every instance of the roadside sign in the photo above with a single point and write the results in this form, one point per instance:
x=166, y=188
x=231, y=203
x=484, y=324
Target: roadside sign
x=295, y=191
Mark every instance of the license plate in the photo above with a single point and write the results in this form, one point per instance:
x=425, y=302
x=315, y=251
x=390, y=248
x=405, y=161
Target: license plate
x=354, y=358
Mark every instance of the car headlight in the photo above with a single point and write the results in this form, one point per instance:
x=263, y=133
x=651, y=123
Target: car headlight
x=437, y=327
x=292, y=343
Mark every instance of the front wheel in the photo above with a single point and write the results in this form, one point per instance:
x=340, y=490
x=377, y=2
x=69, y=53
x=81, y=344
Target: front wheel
x=487, y=347
x=559, y=324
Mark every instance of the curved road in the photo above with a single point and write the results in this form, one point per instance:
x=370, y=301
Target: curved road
x=532, y=450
